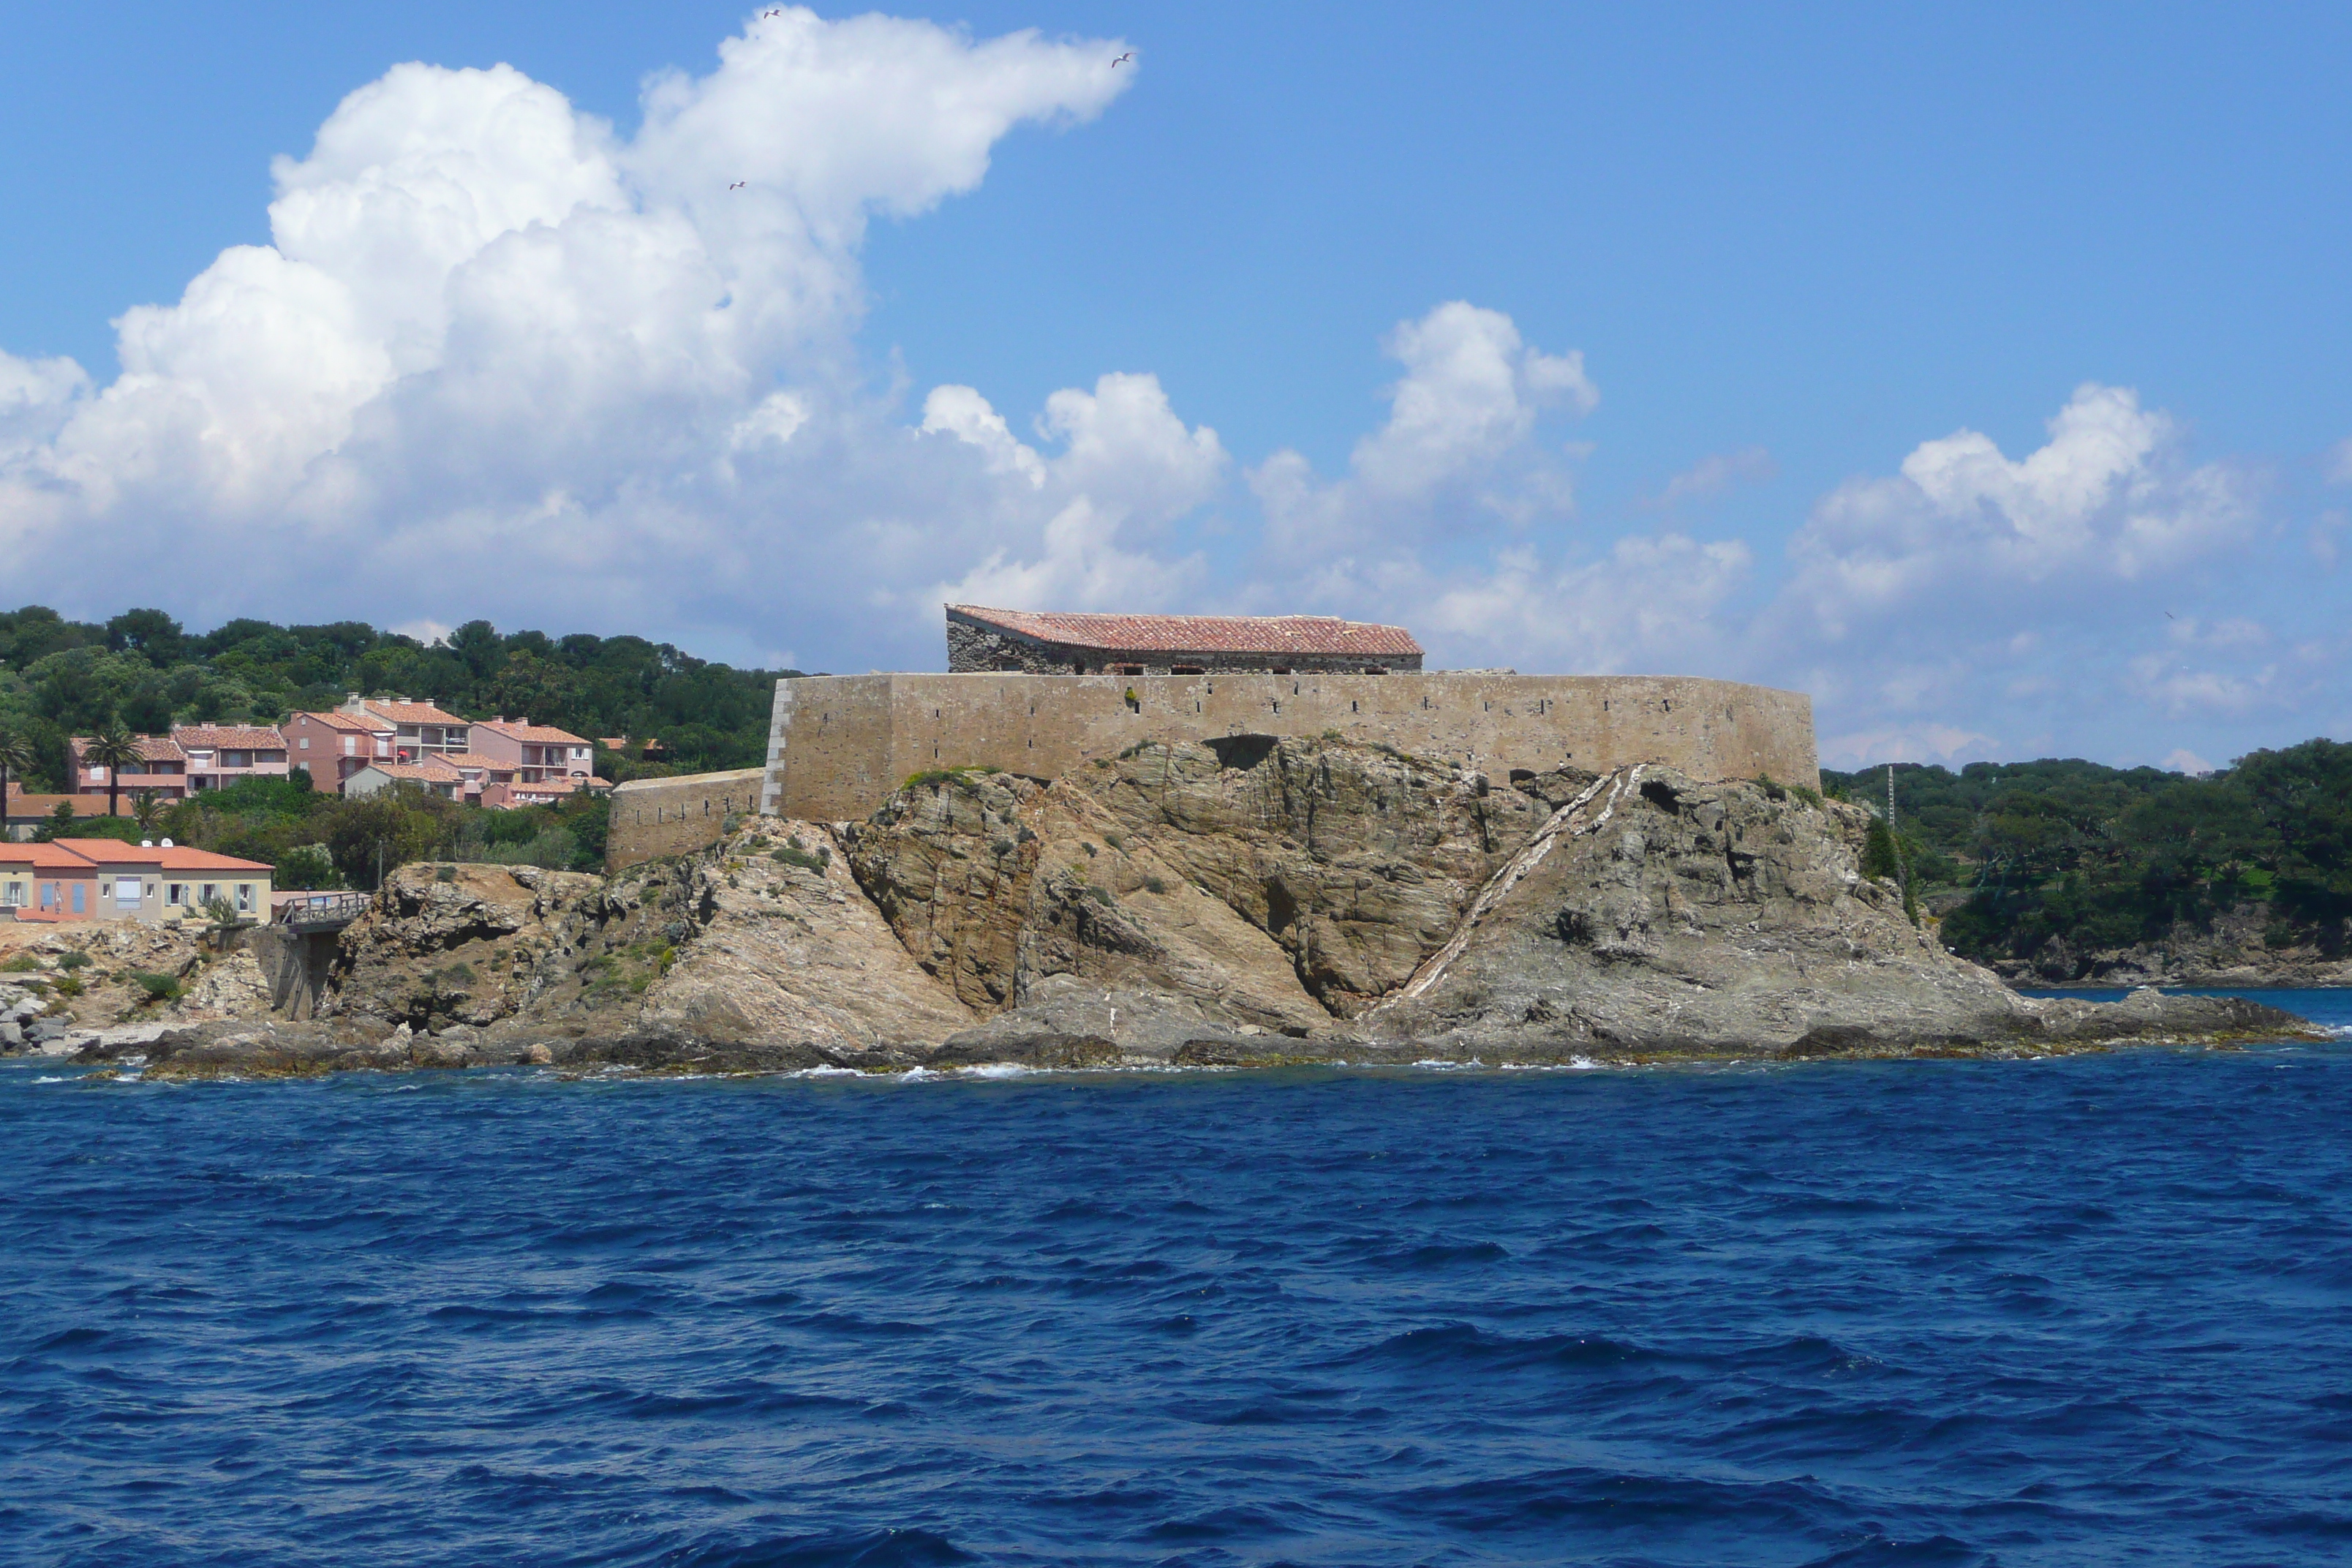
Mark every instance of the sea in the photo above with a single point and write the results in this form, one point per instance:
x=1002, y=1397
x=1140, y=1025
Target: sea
x=2084, y=1310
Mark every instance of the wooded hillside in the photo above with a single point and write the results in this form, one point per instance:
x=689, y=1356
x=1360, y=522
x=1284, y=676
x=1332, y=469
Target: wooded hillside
x=143, y=669
x=2016, y=853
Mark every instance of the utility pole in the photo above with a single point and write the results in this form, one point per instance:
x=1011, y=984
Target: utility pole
x=1902, y=871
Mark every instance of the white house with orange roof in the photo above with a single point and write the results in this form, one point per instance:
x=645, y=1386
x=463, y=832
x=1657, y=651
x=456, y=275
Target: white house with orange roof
x=432, y=773
x=46, y=883
x=105, y=880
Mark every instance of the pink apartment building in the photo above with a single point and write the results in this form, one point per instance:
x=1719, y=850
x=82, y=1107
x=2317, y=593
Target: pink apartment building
x=418, y=728
x=192, y=757
x=334, y=746
x=539, y=754
x=164, y=770
x=220, y=755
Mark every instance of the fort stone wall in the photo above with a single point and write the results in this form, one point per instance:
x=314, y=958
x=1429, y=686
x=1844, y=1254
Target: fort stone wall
x=653, y=817
x=840, y=744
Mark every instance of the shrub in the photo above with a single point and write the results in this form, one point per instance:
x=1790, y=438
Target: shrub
x=445, y=873
x=70, y=986
x=1114, y=840
x=551, y=849
x=1156, y=884
x=795, y=853
x=309, y=867
x=72, y=961
x=23, y=963
x=158, y=987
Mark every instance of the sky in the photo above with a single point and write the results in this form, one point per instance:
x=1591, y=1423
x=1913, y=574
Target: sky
x=1978, y=370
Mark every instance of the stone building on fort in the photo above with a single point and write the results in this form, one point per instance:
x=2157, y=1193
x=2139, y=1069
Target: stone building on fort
x=1038, y=694
x=984, y=641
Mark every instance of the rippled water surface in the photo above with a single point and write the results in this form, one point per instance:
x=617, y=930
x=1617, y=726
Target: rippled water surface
x=2090, y=1311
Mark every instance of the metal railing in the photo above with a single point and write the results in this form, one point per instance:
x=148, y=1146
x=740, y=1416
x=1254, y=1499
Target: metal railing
x=321, y=910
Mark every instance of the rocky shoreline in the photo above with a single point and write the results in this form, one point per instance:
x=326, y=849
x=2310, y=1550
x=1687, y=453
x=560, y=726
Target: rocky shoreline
x=2235, y=951
x=1250, y=902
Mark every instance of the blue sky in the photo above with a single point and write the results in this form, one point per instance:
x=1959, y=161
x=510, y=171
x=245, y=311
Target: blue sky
x=1797, y=255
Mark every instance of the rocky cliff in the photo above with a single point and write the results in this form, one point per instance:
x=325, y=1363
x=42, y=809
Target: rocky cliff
x=1249, y=900
x=2244, y=946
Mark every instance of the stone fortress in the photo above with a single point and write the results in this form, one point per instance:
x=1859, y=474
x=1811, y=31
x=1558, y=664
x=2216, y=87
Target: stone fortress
x=1036, y=693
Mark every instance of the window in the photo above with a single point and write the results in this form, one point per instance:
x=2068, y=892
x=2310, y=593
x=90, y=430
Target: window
x=212, y=891
x=49, y=895
x=244, y=898
x=15, y=895
x=176, y=893
x=128, y=894
x=82, y=898
x=306, y=743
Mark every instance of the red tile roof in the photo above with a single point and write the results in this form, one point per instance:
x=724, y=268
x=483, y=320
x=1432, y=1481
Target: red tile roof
x=154, y=748
x=537, y=734
x=43, y=857
x=348, y=721
x=1199, y=634
x=409, y=712
x=88, y=803
x=178, y=857
x=470, y=760
x=234, y=737
x=432, y=769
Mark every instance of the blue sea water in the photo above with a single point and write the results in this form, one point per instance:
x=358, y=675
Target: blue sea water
x=2095, y=1310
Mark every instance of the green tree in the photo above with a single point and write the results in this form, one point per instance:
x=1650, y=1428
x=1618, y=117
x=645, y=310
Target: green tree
x=113, y=748
x=310, y=866
x=147, y=810
x=15, y=758
x=151, y=634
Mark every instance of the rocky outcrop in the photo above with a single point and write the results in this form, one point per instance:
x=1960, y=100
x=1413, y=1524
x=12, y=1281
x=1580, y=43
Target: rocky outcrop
x=1656, y=916
x=1245, y=900
x=2244, y=946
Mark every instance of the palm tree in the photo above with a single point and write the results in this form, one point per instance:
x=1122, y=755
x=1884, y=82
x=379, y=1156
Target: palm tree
x=147, y=810
x=16, y=757
x=114, y=749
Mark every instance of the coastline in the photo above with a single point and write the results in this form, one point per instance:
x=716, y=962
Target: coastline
x=1297, y=902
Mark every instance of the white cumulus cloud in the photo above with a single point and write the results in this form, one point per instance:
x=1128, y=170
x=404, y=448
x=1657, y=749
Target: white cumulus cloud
x=1458, y=441
x=495, y=353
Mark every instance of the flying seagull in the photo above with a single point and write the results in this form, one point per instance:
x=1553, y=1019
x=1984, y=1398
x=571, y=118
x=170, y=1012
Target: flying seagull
x=2170, y=616
x=739, y=185
x=1125, y=59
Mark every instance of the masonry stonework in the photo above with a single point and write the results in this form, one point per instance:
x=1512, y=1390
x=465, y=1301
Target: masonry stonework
x=840, y=744
x=653, y=817
x=973, y=647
